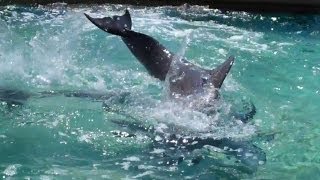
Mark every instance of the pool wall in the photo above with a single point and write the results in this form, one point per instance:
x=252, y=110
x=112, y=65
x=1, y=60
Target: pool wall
x=299, y=6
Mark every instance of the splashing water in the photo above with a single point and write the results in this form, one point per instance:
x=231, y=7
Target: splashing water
x=54, y=48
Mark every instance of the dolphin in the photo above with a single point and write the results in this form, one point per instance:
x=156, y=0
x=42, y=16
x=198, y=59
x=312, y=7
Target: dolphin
x=185, y=79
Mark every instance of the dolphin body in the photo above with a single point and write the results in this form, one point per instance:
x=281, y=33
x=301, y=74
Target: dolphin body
x=184, y=79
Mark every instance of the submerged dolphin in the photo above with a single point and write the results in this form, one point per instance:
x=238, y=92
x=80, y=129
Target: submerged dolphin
x=13, y=97
x=184, y=79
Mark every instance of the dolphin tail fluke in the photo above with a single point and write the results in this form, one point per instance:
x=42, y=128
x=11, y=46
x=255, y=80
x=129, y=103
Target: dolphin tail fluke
x=117, y=25
x=220, y=73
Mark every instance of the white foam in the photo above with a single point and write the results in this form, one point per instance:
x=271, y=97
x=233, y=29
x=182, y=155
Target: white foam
x=125, y=165
x=11, y=170
x=157, y=151
x=143, y=174
x=236, y=37
x=132, y=158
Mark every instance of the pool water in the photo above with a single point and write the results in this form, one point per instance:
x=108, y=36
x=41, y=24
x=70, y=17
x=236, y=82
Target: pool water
x=55, y=48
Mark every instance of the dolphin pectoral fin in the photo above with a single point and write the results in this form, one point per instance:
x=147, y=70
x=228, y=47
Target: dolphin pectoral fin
x=220, y=73
x=116, y=25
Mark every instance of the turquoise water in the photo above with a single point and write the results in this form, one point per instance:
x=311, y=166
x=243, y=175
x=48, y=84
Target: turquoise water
x=55, y=48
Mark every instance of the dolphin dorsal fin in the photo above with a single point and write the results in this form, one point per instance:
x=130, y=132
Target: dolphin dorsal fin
x=220, y=73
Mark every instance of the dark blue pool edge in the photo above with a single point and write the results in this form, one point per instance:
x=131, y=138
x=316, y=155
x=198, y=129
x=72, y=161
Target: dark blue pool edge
x=295, y=6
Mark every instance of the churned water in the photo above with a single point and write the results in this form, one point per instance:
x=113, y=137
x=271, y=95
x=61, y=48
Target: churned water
x=48, y=51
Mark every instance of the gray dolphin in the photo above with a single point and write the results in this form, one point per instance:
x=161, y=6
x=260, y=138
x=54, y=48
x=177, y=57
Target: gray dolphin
x=184, y=79
x=187, y=78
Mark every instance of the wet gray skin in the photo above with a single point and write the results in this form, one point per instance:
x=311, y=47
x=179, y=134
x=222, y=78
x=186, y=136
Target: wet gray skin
x=185, y=78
